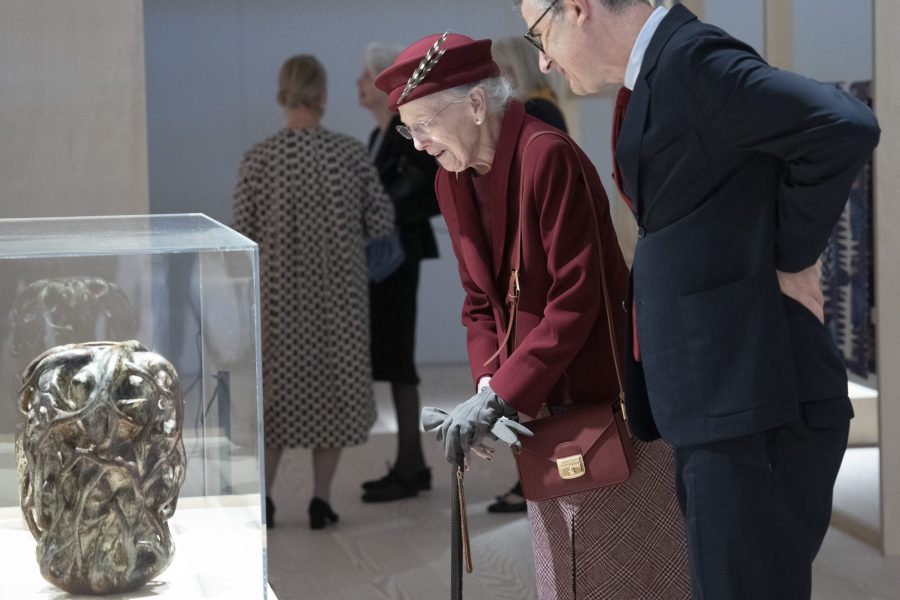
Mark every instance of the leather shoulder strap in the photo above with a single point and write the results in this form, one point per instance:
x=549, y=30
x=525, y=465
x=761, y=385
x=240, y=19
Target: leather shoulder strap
x=515, y=287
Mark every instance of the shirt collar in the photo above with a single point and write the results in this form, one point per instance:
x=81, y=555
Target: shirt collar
x=640, y=46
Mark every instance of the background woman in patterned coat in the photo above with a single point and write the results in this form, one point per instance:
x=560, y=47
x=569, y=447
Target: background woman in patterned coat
x=311, y=198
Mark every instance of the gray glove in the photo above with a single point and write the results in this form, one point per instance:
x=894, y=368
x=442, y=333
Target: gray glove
x=468, y=424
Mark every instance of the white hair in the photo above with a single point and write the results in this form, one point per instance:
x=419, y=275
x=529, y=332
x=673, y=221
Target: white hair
x=379, y=57
x=497, y=91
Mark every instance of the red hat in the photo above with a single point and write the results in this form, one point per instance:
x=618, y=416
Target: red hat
x=456, y=61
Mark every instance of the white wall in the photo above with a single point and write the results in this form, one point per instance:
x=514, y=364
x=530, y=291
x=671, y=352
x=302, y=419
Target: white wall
x=887, y=276
x=72, y=108
x=741, y=18
x=211, y=79
x=211, y=75
x=833, y=39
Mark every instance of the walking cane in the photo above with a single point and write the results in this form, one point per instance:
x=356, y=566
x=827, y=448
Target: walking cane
x=460, y=552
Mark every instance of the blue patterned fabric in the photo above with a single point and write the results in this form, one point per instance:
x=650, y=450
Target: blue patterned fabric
x=847, y=267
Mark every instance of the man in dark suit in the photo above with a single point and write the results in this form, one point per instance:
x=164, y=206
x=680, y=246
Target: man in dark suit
x=736, y=173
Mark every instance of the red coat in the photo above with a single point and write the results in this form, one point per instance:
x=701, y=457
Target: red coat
x=562, y=352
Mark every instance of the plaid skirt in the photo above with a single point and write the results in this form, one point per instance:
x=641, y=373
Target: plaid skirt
x=622, y=542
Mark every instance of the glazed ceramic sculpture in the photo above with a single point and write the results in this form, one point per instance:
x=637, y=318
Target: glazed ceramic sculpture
x=101, y=464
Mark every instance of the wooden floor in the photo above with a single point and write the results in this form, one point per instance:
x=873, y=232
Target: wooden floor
x=400, y=550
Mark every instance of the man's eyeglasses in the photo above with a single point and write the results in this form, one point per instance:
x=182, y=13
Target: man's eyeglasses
x=421, y=126
x=535, y=39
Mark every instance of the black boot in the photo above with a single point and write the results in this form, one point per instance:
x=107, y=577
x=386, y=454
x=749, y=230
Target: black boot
x=320, y=514
x=511, y=502
x=421, y=480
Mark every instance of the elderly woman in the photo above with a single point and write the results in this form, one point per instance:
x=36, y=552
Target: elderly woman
x=311, y=199
x=620, y=541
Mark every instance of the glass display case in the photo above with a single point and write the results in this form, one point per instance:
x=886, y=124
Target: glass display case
x=186, y=288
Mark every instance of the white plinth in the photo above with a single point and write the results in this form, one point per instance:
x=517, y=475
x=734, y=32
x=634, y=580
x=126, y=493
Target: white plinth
x=217, y=555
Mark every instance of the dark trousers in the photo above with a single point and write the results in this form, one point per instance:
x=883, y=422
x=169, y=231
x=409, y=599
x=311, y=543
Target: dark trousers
x=757, y=508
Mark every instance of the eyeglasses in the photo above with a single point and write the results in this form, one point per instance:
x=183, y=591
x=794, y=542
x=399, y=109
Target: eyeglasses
x=535, y=39
x=421, y=126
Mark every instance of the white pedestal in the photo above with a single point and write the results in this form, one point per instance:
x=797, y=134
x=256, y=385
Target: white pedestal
x=218, y=543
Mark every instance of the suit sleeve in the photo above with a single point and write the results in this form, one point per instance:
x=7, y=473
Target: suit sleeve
x=822, y=135
x=567, y=232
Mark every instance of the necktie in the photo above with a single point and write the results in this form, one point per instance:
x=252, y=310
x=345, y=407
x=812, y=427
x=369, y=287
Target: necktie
x=618, y=117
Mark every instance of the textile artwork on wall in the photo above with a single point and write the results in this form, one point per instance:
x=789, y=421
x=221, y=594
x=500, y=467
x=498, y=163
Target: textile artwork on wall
x=847, y=267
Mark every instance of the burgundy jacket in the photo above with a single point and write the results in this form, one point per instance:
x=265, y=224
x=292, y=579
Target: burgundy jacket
x=560, y=352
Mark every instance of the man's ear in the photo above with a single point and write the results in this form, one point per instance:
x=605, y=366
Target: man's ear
x=582, y=9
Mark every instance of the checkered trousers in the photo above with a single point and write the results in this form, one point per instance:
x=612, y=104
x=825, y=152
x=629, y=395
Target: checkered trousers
x=623, y=542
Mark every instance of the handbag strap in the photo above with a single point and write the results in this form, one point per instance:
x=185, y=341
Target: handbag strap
x=514, y=284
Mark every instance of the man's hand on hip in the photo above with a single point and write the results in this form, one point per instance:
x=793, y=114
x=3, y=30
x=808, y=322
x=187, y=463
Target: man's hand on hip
x=806, y=288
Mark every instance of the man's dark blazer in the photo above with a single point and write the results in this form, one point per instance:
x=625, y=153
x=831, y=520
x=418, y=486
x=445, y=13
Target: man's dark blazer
x=408, y=177
x=736, y=169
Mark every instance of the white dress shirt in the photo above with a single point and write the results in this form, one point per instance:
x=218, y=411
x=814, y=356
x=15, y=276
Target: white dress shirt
x=640, y=46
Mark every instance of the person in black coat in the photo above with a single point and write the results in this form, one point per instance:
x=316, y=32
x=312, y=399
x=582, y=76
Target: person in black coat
x=408, y=177
x=736, y=173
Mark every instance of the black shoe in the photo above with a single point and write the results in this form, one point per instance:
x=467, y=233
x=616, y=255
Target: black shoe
x=394, y=487
x=320, y=514
x=511, y=502
x=422, y=480
x=270, y=513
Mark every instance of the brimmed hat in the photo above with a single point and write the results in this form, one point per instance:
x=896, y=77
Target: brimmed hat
x=434, y=63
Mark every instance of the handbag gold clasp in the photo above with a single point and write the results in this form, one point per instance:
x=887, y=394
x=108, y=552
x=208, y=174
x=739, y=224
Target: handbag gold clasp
x=570, y=467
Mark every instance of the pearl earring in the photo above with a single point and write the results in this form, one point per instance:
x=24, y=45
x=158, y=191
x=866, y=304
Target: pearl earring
x=478, y=120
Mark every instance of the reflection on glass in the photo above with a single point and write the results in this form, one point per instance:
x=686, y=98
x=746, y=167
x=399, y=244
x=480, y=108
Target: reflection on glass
x=52, y=312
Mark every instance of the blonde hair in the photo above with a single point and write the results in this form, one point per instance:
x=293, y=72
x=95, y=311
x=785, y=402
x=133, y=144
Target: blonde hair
x=518, y=60
x=301, y=82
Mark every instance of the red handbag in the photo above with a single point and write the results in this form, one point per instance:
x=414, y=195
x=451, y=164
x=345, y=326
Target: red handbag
x=575, y=451
x=587, y=446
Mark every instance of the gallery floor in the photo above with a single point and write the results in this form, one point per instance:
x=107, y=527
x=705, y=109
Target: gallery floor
x=400, y=550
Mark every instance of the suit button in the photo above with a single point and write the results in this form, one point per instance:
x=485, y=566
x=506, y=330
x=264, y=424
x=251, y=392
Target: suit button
x=641, y=232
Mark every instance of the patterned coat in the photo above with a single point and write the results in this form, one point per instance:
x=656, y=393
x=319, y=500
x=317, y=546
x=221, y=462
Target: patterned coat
x=311, y=198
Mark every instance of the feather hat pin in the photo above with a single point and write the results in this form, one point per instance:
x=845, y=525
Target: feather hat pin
x=427, y=63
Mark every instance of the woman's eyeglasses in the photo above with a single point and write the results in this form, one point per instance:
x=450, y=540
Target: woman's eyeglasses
x=421, y=126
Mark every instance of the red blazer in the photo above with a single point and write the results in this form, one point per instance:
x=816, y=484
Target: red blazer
x=561, y=352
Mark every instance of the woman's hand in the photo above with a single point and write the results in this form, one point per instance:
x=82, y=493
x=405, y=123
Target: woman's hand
x=465, y=428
